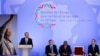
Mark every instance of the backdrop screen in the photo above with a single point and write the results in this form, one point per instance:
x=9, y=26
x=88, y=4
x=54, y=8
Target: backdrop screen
x=77, y=21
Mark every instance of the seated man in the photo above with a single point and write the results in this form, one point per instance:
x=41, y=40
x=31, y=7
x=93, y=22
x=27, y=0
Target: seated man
x=65, y=49
x=51, y=49
x=26, y=40
x=93, y=49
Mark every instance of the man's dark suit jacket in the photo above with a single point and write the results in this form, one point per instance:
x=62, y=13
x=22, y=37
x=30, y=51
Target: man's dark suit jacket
x=93, y=51
x=48, y=50
x=29, y=42
x=63, y=50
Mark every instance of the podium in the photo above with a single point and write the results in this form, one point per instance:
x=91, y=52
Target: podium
x=25, y=49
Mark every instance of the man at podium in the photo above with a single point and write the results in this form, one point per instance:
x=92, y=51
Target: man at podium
x=26, y=40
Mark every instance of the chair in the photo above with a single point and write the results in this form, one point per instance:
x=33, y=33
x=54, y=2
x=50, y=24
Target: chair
x=78, y=51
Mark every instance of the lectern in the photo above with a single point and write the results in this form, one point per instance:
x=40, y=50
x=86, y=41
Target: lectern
x=25, y=49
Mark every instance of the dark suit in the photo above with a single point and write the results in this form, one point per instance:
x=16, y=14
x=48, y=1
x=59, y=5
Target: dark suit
x=23, y=42
x=66, y=50
x=92, y=50
x=48, y=50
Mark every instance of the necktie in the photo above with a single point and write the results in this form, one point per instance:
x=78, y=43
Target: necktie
x=93, y=47
x=25, y=41
x=51, y=49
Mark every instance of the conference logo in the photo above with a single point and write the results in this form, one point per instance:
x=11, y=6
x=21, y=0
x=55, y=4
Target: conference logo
x=43, y=16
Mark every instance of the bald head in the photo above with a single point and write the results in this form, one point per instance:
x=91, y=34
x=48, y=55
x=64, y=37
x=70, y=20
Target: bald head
x=8, y=33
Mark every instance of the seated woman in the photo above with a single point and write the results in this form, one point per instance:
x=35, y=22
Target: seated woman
x=65, y=49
